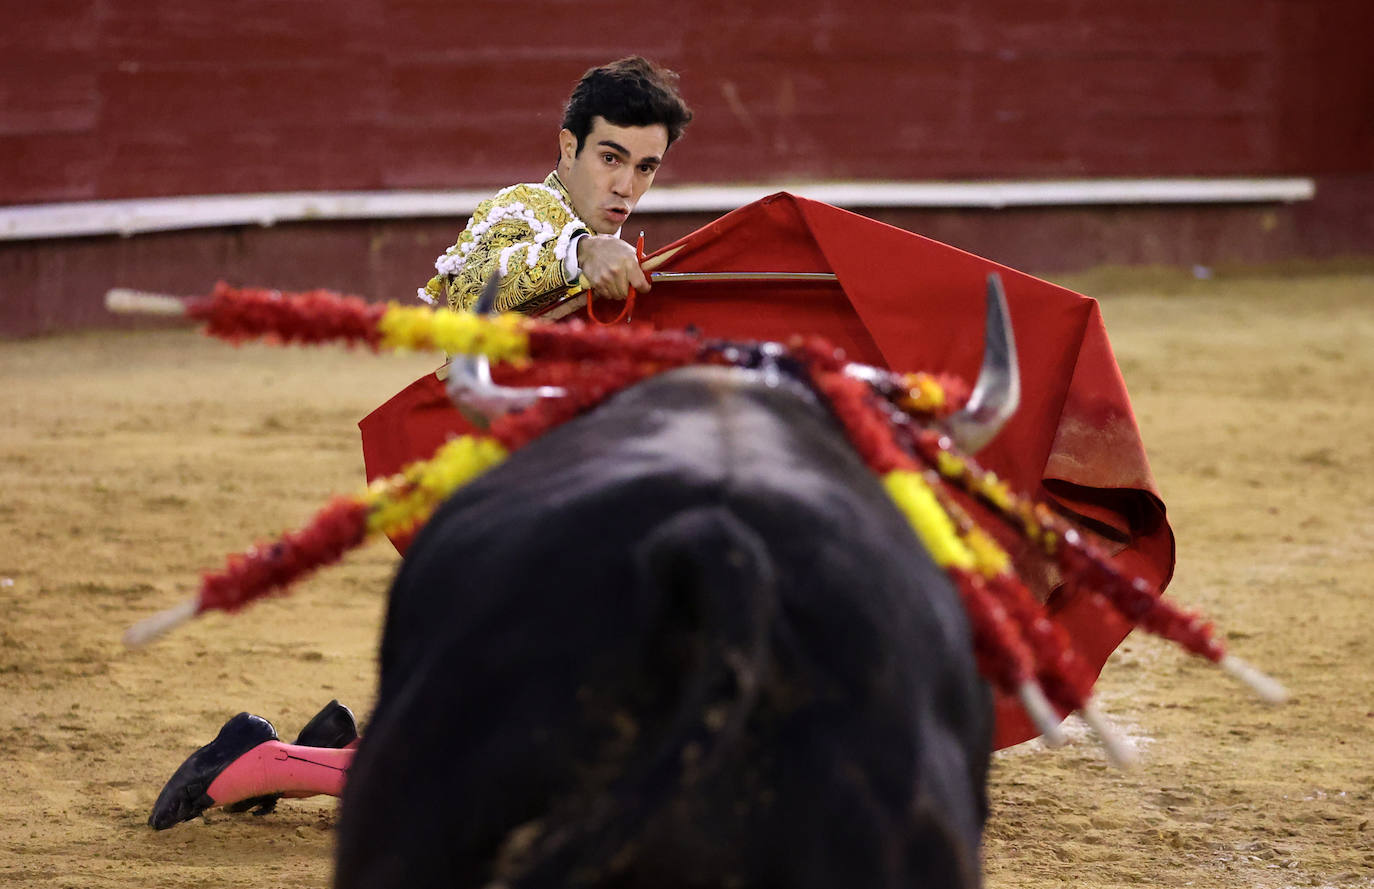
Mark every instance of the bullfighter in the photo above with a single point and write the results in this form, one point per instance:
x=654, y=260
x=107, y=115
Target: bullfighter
x=548, y=240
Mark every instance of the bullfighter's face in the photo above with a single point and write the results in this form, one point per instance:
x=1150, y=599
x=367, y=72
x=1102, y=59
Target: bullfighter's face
x=610, y=174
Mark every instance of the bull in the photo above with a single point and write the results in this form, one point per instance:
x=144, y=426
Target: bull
x=685, y=640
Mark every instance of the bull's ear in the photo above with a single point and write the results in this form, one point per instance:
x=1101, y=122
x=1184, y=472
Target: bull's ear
x=713, y=582
x=704, y=592
x=936, y=853
x=708, y=585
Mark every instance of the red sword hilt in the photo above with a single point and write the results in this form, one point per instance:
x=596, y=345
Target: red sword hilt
x=626, y=312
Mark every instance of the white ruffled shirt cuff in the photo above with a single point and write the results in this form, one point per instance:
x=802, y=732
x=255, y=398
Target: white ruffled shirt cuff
x=570, y=265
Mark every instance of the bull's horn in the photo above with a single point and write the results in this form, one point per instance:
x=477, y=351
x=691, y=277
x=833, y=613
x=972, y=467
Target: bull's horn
x=469, y=384
x=486, y=300
x=998, y=390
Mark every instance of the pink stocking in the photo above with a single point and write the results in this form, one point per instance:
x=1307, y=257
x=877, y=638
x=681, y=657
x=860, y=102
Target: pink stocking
x=274, y=767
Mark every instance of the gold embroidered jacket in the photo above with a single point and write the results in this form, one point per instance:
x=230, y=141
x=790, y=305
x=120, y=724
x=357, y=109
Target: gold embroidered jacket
x=524, y=233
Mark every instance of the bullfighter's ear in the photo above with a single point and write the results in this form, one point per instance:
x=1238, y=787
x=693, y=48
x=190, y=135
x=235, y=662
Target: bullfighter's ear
x=936, y=853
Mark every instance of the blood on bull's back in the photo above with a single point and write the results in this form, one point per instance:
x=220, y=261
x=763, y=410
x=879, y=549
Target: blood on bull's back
x=684, y=640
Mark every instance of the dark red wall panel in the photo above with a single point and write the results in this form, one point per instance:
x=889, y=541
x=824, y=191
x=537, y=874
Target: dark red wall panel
x=103, y=98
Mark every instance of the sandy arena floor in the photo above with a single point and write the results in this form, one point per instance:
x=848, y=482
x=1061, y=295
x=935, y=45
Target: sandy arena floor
x=130, y=462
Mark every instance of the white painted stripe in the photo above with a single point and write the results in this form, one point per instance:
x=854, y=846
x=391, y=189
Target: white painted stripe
x=130, y=217
x=994, y=195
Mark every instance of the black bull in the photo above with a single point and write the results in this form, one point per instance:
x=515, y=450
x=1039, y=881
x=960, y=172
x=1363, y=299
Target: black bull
x=685, y=640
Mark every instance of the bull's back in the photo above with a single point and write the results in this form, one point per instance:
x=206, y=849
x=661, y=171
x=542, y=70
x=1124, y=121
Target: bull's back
x=683, y=638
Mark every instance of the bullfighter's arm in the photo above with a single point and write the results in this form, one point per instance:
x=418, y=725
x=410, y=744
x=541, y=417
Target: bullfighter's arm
x=533, y=266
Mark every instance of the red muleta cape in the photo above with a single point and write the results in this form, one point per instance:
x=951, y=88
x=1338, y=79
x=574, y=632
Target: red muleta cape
x=907, y=303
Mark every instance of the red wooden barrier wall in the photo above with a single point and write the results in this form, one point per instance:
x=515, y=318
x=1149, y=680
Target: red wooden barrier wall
x=108, y=99
x=145, y=98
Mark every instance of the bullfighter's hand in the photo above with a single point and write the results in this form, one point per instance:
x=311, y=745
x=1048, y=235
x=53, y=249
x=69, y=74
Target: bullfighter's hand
x=611, y=266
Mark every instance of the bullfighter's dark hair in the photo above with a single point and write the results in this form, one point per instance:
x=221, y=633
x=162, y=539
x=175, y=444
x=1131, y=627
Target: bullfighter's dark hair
x=629, y=92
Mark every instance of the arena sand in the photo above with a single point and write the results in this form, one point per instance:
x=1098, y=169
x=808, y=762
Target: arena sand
x=130, y=462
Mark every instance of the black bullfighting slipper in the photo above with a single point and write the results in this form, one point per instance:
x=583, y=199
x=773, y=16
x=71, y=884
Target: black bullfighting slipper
x=334, y=726
x=184, y=795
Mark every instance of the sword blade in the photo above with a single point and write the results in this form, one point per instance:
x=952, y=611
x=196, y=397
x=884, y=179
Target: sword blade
x=686, y=277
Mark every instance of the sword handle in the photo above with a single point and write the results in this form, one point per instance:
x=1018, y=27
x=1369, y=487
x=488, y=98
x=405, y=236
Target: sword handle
x=626, y=312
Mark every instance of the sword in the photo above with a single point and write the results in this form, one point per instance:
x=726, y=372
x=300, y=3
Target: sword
x=776, y=277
